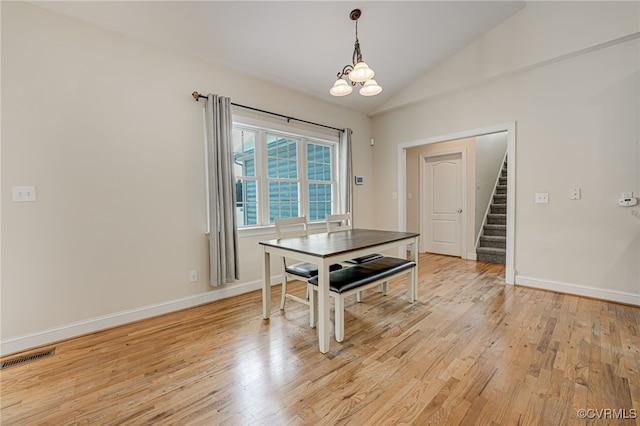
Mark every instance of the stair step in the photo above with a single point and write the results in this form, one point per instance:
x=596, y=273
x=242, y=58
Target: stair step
x=496, y=219
x=498, y=208
x=500, y=199
x=491, y=250
x=493, y=238
x=491, y=255
x=493, y=241
x=495, y=230
x=501, y=189
x=502, y=180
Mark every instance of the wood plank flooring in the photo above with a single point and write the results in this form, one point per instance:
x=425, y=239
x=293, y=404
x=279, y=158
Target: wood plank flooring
x=470, y=351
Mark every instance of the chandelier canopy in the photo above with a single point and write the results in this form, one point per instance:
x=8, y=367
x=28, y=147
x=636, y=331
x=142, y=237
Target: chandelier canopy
x=358, y=71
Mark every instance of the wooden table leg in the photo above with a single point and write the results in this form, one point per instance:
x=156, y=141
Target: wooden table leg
x=266, y=284
x=323, y=307
x=413, y=247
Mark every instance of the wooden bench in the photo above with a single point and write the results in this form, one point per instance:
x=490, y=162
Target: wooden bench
x=348, y=281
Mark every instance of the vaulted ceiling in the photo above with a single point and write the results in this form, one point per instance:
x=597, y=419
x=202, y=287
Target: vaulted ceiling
x=302, y=45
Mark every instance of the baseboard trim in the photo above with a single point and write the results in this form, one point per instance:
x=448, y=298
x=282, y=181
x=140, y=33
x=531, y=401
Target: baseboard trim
x=92, y=325
x=472, y=256
x=579, y=290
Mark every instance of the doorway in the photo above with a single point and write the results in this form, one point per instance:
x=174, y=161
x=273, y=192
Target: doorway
x=510, y=129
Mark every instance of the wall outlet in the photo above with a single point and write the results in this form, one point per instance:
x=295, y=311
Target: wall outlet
x=193, y=276
x=574, y=194
x=542, y=197
x=23, y=193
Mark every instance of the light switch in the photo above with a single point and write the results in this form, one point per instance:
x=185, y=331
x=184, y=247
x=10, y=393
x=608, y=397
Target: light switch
x=542, y=198
x=23, y=193
x=574, y=194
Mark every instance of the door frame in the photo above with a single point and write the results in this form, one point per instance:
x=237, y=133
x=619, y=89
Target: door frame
x=463, y=191
x=510, y=128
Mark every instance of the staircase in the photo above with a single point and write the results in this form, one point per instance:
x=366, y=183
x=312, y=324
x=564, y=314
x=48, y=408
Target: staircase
x=493, y=242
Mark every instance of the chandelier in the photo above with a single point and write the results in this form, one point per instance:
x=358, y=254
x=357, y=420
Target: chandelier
x=358, y=72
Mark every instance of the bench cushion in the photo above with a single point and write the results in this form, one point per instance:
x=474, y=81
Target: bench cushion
x=308, y=270
x=364, y=259
x=357, y=276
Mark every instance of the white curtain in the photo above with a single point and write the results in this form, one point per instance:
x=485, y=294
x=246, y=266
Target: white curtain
x=223, y=229
x=345, y=174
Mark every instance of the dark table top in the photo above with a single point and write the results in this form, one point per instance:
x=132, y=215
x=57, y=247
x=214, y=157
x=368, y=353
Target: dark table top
x=329, y=244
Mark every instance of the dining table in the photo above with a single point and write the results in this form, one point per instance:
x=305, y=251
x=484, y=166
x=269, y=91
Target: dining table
x=327, y=248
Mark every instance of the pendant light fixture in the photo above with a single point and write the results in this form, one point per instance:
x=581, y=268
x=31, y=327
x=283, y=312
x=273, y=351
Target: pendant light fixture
x=358, y=72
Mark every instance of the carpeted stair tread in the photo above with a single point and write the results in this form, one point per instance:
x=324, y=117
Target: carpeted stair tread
x=493, y=241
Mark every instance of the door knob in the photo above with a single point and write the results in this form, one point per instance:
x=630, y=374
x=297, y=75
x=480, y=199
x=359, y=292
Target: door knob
x=459, y=210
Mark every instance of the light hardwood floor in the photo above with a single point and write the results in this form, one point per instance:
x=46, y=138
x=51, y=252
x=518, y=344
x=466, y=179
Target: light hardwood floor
x=470, y=351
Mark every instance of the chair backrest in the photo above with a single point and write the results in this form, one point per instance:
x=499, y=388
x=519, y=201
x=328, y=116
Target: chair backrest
x=291, y=227
x=339, y=222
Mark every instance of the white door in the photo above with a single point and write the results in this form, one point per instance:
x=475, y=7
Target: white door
x=443, y=204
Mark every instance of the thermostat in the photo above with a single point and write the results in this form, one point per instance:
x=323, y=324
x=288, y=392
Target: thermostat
x=359, y=180
x=627, y=202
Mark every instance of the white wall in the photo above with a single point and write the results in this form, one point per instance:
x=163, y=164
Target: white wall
x=568, y=74
x=106, y=129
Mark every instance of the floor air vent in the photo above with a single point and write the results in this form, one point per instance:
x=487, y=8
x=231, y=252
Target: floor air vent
x=26, y=358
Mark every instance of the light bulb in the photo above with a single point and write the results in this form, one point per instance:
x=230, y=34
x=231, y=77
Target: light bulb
x=370, y=88
x=361, y=73
x=341, y=88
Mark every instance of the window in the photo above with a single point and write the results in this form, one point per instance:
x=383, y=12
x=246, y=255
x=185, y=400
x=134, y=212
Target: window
x=281, y=175
x=319, y=172
x=244, y=158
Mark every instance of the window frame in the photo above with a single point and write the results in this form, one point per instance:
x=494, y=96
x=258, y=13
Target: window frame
x=303, y=138
x=263, y=138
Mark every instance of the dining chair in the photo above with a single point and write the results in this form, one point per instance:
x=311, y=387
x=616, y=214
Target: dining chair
x=343, y=222
x=288, y=228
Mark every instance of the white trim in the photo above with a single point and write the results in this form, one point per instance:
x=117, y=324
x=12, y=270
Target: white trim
x=579, y=290
x=510, y=128
x=511, y=203
x=92, y=325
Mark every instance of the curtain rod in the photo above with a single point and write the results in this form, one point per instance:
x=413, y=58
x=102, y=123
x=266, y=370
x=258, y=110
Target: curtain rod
x=197, y=96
